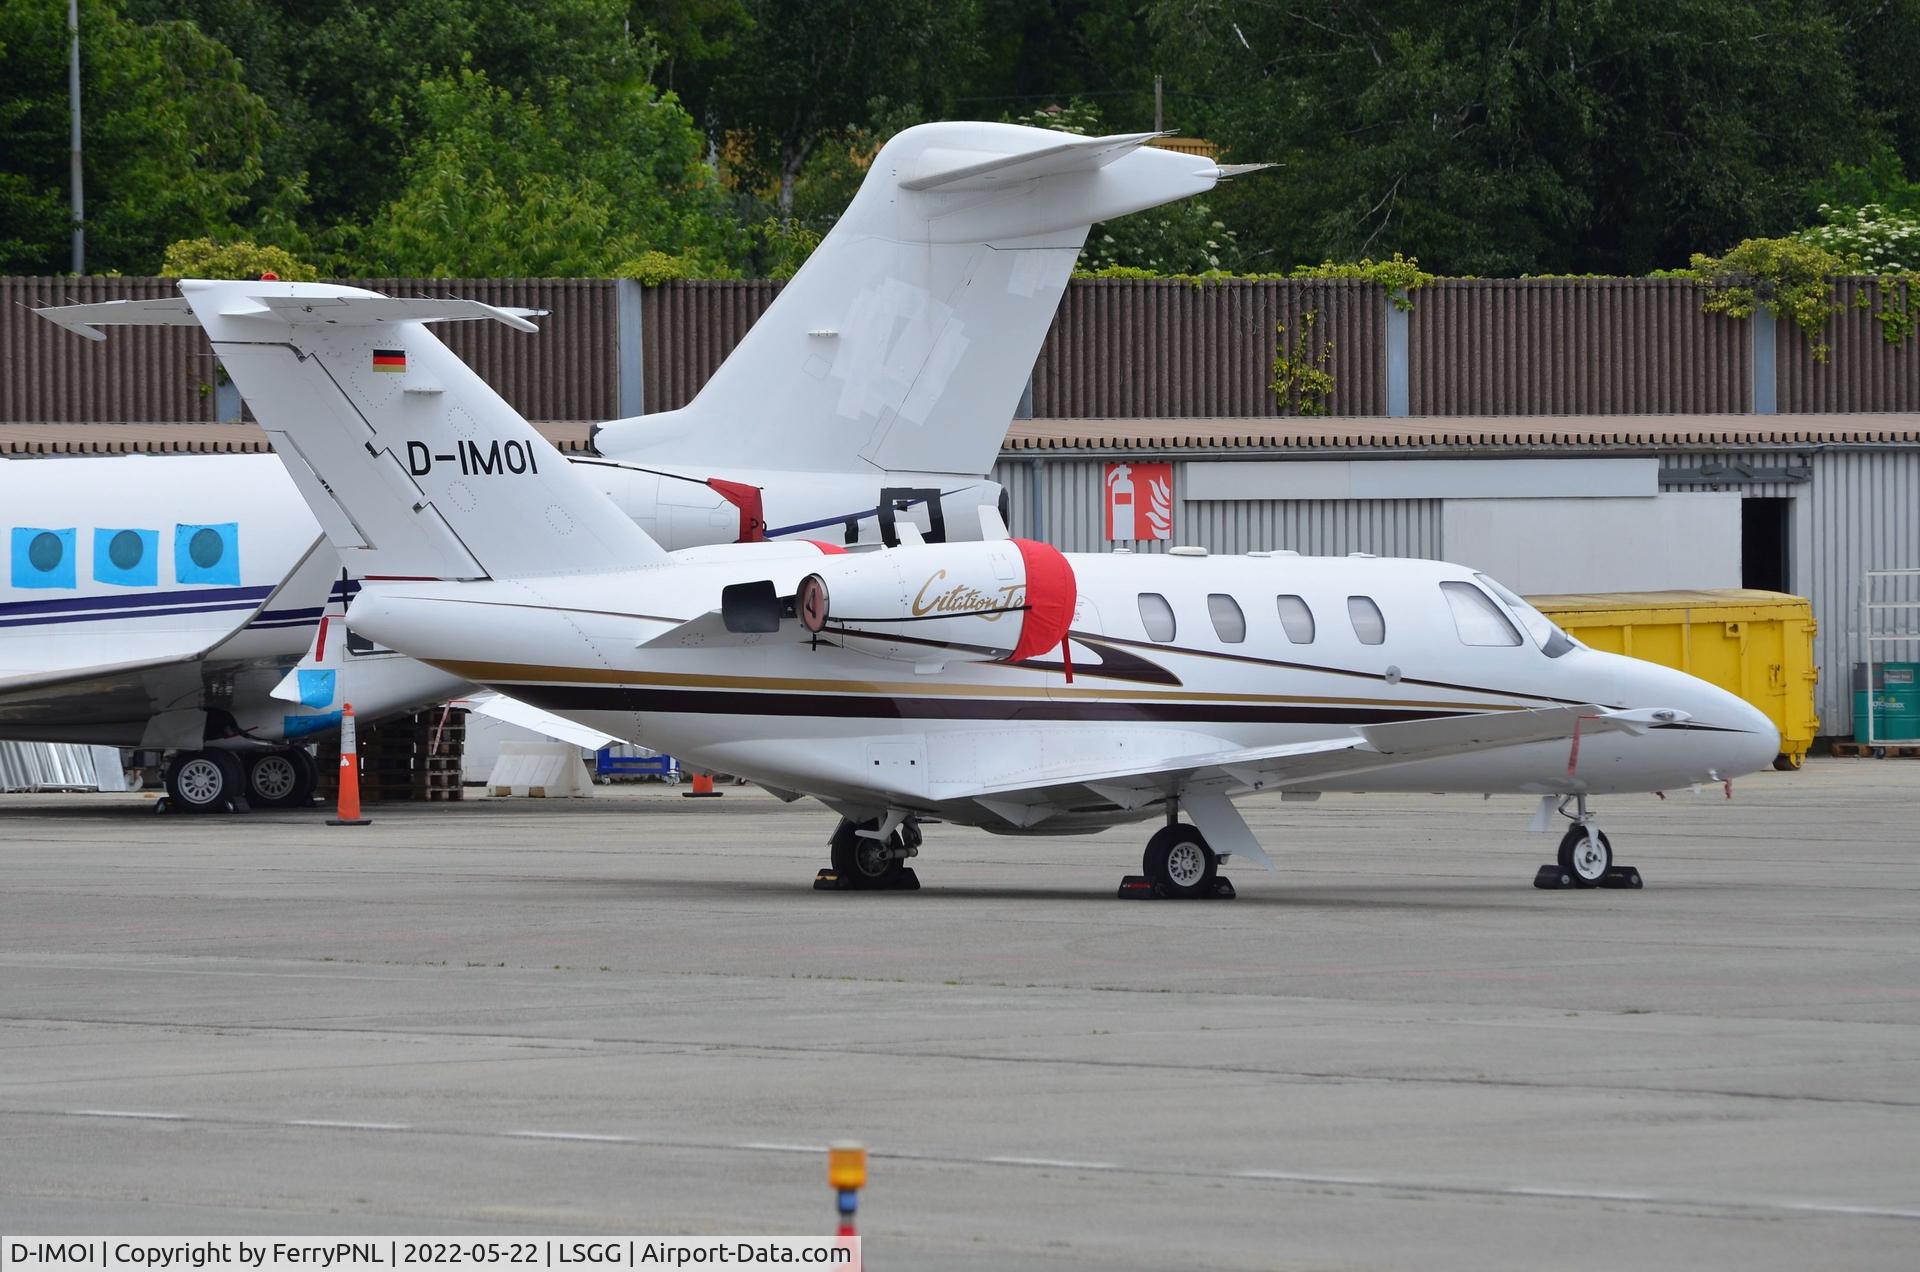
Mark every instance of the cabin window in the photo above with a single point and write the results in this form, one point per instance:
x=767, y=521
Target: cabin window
x=1296, y=619
x=1157, y=616
x=1368, y=623
x=1229, y=624
x=1477, y=619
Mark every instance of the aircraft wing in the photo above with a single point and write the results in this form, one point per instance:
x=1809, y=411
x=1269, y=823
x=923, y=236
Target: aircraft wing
x=499, y=706
x=1139, y=780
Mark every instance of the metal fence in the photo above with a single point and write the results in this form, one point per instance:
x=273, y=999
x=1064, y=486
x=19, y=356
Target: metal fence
x=1118, y=348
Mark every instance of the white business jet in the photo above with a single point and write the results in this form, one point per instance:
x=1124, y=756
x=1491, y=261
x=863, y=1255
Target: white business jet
x=997, y=683
x=831, y=421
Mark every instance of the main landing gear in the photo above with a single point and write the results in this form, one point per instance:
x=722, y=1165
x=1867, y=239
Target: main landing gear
x=1586, y=856
x=1178, y=864
x=213, y=781
x=868, y=862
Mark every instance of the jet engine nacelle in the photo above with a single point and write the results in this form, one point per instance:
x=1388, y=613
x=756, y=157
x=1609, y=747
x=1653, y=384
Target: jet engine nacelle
x=1006, y=600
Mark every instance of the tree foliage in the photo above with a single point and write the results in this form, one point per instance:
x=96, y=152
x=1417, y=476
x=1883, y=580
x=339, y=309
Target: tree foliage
x=500, y=184
x=174, y=137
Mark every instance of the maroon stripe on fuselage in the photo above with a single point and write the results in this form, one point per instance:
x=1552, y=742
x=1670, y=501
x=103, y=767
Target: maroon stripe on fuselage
x=566, y=698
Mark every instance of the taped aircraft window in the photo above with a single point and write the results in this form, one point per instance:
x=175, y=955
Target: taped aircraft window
x=1368, y=623
x=1297, y=619
x=1157, y=616
x=45, y=551
x=1229, y=624
x=125, y=550
x=1477, y=619
x=205, y=548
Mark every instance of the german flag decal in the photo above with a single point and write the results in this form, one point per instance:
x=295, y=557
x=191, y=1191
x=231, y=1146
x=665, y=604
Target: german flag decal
x=389, y=359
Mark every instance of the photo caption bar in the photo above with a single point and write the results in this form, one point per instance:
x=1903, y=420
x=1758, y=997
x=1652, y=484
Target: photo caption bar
x=340, y=1254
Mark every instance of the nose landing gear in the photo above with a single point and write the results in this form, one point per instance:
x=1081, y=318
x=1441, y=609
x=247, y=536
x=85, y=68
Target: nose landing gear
x=1585, y=857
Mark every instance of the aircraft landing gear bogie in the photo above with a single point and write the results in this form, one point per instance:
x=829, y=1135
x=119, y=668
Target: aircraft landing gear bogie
x=1585, y=859
x=1179, y=865
x=281, y=778
x=205, y=782
x=863, y=863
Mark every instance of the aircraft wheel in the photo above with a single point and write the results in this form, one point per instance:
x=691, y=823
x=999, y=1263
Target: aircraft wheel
x=863, y=862
x=1179, y=862
x=203, y=781
x=281, y=779
x=1587, y=862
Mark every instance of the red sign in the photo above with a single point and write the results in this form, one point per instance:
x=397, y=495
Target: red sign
x=1139, y=501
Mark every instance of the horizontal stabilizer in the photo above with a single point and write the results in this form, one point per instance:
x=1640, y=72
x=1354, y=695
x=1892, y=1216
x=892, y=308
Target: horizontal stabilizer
x=941, y=167
x=299, y=311
x=84, y=320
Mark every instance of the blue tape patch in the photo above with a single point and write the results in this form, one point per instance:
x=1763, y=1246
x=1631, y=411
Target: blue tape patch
x=316, y=688
x=42, y=558
x=127, y=558
x=207, y=554
x=292, y=727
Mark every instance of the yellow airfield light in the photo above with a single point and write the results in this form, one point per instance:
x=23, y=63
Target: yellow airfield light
x=846, y=1166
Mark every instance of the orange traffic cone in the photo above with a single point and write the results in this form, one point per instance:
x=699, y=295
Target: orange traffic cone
x=349, y=808
x=702, y=788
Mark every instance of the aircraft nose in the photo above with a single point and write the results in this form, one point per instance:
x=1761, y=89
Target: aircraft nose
x=1750, y=741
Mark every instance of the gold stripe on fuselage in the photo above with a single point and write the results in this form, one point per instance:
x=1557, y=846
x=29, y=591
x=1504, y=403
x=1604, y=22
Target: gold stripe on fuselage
x=489, y=673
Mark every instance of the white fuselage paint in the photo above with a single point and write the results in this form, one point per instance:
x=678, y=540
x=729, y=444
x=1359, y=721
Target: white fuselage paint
x=254, y=611
x=870, y=724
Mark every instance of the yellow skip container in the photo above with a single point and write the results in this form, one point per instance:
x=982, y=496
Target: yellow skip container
x=1758, y=645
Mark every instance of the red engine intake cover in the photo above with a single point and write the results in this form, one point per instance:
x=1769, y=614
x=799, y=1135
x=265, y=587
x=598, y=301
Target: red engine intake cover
x=1052, y=593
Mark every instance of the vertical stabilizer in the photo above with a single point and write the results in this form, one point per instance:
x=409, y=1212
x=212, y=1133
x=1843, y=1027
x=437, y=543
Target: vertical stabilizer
x=905, y=341
x=414, y=467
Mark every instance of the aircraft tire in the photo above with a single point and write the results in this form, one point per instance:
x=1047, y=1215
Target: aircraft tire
x=856, y=861
x=1179, y=862
x=204, y=781
x=1586, y=869
x=281, y=779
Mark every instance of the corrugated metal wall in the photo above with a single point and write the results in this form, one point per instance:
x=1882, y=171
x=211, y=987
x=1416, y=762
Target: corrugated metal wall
x=1554, y=347
x=1153, y=348
x=1161, y=347
x=1863, y=373
x=688, y=331
x=165, y=374
x=1859, y=511
x=1075, y=521
x=140, y=373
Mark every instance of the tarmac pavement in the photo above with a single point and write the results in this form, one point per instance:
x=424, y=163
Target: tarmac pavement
x=631, y=1014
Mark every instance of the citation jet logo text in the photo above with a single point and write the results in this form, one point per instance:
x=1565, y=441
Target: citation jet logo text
x=475, y=459
x=961, y=599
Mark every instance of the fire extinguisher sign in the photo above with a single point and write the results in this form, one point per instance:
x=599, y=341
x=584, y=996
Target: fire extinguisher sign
x=1139, y=502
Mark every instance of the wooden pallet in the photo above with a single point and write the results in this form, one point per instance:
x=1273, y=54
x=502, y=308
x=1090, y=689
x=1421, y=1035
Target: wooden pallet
x=1884, y=750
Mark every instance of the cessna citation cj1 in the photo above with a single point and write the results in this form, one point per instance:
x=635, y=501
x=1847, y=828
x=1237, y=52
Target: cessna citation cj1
x=997, y=683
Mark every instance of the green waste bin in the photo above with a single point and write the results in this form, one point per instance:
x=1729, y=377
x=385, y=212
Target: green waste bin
x=1896, y=702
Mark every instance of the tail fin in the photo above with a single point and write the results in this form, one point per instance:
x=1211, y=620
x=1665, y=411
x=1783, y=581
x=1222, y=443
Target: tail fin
x=414, y=467
x=906, y=340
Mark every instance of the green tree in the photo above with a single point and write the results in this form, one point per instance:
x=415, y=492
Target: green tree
x=1488, y=137
x=803, y=70
x=172, y=136
x=578, y=182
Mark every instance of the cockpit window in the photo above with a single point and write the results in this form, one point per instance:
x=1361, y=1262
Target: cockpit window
x=1546, y=633
x=1478, y=620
